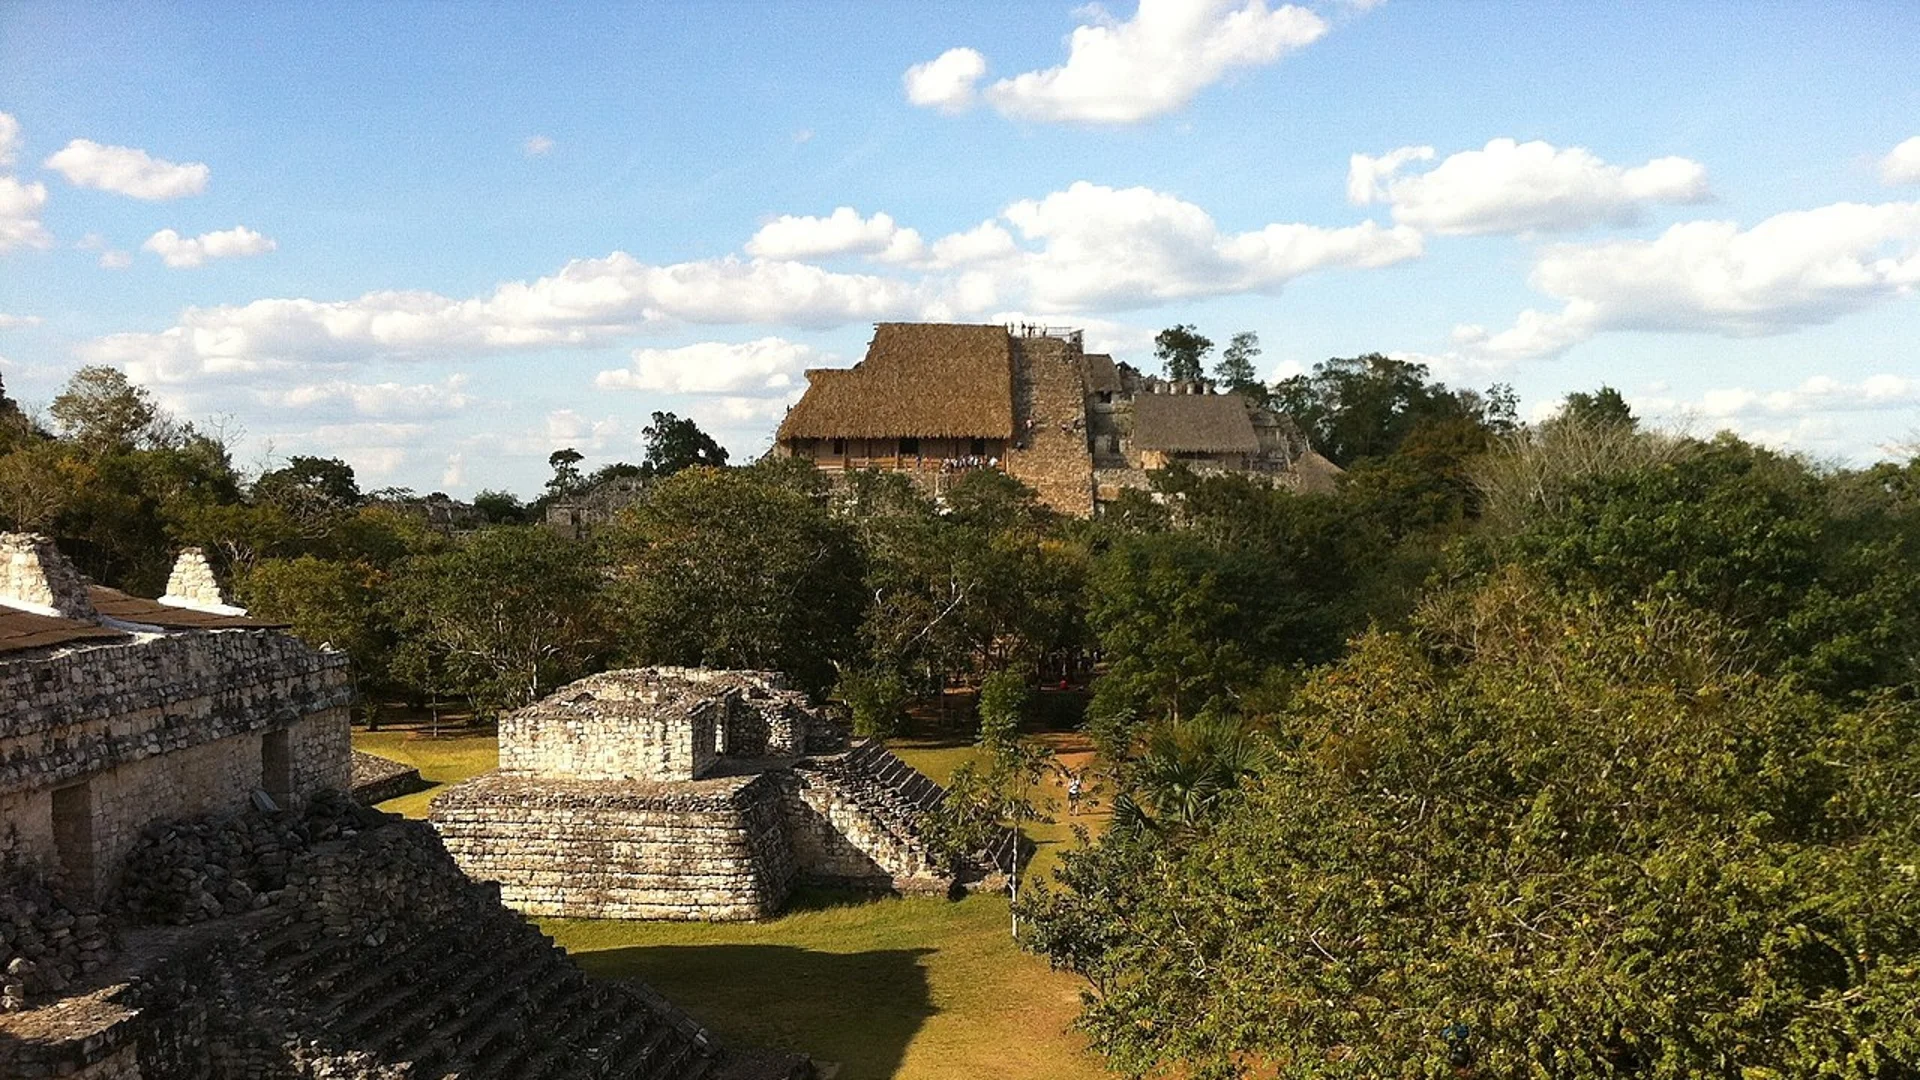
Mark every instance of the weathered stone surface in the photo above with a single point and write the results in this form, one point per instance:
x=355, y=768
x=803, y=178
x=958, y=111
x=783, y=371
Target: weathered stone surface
x=377, y=779
x=378, y=961
x=651, y=794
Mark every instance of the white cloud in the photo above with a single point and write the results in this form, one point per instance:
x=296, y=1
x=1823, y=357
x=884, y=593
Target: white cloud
x=14, y=322
x=1512, y=187
x=1125, y=72
x=9, y=138
x=127, y=171
x=1802, y=268
x=1108, y=249
x=376, y=400
x=20, y=215
x=566, y=427
x=116, y=260
x=181, y=252
x=455, y=474
x=843, y=232
x=536, y=146
x=587, y=301
x=1902, y=166
x=1078, y=252
x=715, y=367
x=946, y=82
x=1823, y=415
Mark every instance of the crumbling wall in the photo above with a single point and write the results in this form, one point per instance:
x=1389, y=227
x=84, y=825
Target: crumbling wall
x=711, y=850
x=1051, y=454
x=118, y=735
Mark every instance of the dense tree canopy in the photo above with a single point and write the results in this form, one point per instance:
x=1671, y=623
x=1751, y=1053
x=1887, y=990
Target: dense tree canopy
x=1538, y=838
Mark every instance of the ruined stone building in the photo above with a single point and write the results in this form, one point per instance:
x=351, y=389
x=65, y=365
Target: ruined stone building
x=186, y=895
x=934, y=400
x=578, y=514
x=118, y=710
x=677, y=793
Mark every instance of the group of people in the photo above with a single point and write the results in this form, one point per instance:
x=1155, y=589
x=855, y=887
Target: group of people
x=955, y=464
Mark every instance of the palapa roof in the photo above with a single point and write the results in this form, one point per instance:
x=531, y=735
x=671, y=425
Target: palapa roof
x=115, y=604
x=1193, y=424
x=924, y=380
x=1101, y=374
x=24, y=630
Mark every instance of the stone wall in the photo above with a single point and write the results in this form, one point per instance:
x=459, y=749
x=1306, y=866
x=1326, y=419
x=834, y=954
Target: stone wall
x=96, y=742
x=714, y=849
x=1050, y=424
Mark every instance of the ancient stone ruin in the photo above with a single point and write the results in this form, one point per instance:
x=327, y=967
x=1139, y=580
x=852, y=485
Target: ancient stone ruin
x=677, y=793
x=185, y=894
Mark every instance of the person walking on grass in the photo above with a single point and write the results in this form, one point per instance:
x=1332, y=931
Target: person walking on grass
x=1073, y=793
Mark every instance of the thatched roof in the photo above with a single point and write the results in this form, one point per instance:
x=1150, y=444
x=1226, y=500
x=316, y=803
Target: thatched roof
x=1193, y=424
x=926, y=380
x=1316, y=474
x=1101, y=374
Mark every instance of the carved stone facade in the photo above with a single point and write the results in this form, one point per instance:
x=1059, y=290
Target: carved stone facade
x=673, y=793
x=125, y=722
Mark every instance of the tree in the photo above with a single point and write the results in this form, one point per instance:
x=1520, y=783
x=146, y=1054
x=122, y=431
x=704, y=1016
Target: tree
x=674, y=444
x=499, y=507
x=1556, y=839
x=1603, y=407
x=1236, y=370
x=100, y=411
x=328, y=603
x=1366, y=406
x=1003, y=702
x=507, y=615
x=1183, y=350
x=733, y=568
x=565, y=464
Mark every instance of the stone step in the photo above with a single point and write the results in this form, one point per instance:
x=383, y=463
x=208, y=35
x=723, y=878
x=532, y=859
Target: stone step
x=489, y=1029
x=542, y=1053
x=426, y=1035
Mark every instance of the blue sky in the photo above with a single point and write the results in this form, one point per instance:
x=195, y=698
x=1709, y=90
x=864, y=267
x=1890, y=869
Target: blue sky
x=440, y=241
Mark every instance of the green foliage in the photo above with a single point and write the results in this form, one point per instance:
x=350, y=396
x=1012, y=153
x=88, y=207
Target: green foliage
x=565, y=464
x=327, y=602
x=499, y=507
x=101, y=412
x=876, y=698
x=1184, y=351
x=1603, y=407
x=1600, y=846
x=1236, y=370
x=674, y=443
x=1366, y=406
x=1003, y=702
x=734, y=568
x=1188, y=770
x=502, y=618
x=1820, y=586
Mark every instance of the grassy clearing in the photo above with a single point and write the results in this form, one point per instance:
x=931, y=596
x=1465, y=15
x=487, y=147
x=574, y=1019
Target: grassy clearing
x=441, y=758
x=915, y=988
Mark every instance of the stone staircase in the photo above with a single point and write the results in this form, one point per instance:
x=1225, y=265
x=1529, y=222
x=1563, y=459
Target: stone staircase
x=896, y=797
x=1050, y=418
x=484, y=996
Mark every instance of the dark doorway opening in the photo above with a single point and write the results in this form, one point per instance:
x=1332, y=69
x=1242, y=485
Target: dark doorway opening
x=73, y=835
x=276, y=766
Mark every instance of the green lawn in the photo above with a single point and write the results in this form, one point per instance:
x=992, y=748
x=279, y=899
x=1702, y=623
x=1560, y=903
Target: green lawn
x=913, y=987
x=442, y=760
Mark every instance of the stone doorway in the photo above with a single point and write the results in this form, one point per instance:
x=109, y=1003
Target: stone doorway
x=276, y=767
x=73, y=835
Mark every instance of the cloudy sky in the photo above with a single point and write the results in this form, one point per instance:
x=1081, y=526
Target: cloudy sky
x=440, y=241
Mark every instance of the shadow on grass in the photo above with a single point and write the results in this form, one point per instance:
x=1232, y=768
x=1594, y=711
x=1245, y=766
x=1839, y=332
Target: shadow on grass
x=860, y=1010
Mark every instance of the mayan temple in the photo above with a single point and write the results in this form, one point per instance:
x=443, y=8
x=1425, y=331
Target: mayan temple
x=187, y=894
x=935, y=400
